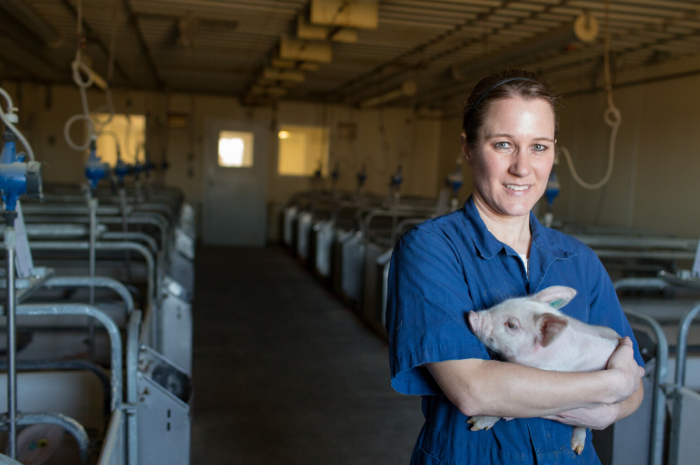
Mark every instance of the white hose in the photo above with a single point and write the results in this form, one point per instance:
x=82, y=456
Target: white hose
x=615, y=124
x=11, y=109
x=611, y=112
x=85, y=116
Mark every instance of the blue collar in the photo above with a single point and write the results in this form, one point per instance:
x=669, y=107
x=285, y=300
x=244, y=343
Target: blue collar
x=488, y=246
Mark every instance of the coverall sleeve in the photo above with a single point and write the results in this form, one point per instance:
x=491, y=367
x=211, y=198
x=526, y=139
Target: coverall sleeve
x=427, y=305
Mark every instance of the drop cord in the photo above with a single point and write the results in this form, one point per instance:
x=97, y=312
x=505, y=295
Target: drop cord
x=612, y=117
x=10, y=110
x=77, y=66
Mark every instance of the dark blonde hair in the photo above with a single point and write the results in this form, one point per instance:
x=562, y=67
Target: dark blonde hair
x=518, y=83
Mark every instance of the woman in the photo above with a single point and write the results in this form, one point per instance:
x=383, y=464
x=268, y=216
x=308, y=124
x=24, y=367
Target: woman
x=472, y=259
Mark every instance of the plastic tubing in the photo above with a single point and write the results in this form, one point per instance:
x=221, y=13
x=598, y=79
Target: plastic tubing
x=11, y=109
x=77, y=66
x=615, y=124
x=612, y=117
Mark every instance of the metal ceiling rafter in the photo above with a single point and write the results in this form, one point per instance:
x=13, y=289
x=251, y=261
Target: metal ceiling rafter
x=95, y=38
x=593, y=59
x=524, y=15
x=21, y=68
x=134, y=20
x=30, y=50
x=628, y=50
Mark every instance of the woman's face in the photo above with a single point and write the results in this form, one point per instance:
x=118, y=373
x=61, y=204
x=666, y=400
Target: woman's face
x=513, y=156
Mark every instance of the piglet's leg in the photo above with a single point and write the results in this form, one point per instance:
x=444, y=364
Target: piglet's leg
x=578, y=439
x=480, y=422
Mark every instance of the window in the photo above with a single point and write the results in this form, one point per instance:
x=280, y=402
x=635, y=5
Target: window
x=235, y=149
x=302, y=149
x=129, y=130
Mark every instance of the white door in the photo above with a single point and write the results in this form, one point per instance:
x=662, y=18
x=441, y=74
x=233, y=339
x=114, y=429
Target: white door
x=235, y=195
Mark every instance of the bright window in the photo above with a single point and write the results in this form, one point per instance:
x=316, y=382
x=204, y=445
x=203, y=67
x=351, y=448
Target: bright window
x=302, y=149
x=129, y=130
x=235, y=149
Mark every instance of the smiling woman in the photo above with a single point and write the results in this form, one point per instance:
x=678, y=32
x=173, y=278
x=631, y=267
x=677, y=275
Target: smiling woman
x=476, y=257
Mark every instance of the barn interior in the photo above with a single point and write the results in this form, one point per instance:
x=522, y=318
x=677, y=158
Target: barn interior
x=199, y=229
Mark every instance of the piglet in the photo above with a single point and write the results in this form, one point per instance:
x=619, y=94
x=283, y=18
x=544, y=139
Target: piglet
x=532, y=331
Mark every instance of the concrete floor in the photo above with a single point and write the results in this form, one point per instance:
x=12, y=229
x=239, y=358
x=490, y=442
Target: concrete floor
x=285, y=374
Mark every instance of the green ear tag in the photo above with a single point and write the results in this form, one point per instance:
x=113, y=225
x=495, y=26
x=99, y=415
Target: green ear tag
x=559, y=303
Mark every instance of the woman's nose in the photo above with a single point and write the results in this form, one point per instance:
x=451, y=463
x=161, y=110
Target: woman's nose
x=520, y=165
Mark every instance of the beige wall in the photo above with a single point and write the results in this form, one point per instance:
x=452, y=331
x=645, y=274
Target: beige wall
x=654, y=182
x=657, y=157
x=412, y=141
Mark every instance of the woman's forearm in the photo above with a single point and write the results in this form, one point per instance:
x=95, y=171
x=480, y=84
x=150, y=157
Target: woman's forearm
x=631, y=404
x=486, y=387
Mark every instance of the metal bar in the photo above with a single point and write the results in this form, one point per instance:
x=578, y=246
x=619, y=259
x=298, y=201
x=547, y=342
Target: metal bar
x=92, y=205
x=152, y=277
x=150, y=262
x=109, y=283
x=125, y=228
x=10, y=242
x=682, y=344
x=58, y=209
x=660, y=370
x=114, y=432
x=67, y=423
x=659, y=255
x=638, y=242
x=110, y=326
x=132, y=355
x=628, y=284
x=132, y=236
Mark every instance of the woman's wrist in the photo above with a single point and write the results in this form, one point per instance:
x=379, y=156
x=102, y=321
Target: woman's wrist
x=613, y=390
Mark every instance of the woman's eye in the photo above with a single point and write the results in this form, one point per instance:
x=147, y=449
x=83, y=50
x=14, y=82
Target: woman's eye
x=539, y=147
x=511, y=326
x=501, y=145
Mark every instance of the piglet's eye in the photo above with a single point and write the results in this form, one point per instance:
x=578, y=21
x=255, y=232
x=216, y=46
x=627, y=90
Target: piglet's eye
x=511, y=326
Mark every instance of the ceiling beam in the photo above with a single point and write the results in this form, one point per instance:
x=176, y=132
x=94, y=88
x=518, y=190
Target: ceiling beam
x=17, y=34
x=443, y=91
x=374, y=76
x=33, y=76
x=134, y=20
x=95, y=38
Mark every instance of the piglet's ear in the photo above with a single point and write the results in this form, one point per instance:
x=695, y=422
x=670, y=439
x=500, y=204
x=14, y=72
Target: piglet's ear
x=551, y=326
x=556, y=296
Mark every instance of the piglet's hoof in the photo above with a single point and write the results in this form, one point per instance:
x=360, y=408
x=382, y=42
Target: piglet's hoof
x=480, y=422
x=578, y=439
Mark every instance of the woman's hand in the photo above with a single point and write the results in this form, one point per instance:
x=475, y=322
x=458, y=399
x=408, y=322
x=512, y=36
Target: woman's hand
x=598, y=416
x=628, y=373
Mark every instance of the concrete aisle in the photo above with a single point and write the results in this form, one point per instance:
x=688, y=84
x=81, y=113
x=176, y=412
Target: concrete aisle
x=284, y=374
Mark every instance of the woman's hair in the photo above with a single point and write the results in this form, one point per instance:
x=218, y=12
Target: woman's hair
x=528, y=87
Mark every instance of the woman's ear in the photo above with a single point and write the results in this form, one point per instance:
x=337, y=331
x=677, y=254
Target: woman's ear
x=465, y=149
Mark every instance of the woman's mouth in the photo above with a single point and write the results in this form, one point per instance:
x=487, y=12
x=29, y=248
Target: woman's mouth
x=517, y=187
